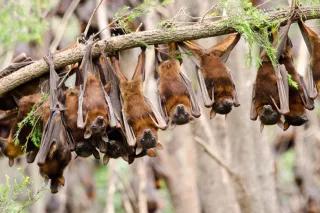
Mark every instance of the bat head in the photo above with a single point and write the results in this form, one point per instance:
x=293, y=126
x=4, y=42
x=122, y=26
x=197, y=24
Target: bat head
x=268, y=115
x=223, y=107
x=148, y=139
x=97, y=123
x=181, y=115
x=296, y=120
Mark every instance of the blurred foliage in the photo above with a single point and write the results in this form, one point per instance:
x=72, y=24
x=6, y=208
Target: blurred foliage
x=16, y=194
x=126, y=15
x=32, y=120
x=21, y=21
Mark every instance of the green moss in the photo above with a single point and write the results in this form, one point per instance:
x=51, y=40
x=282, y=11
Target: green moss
x=32, y=120
x=292, y=83
x=127, y=15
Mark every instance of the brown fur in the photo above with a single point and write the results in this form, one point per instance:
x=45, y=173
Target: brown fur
x=171, y=88
x=266, y=86
x=136, y=109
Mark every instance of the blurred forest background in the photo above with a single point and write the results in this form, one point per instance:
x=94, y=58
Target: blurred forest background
x=218, y=165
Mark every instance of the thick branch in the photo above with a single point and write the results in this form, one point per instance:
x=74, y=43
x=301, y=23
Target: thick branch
x=182, y=33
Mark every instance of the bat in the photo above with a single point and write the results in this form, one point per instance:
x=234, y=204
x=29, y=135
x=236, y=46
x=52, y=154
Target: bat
x=118, y=145
x=298, y=97
x=83, y=147
x=56, y=143
x=312, y=41
x=270, y=95
x=141, y=119
x=9, y=146
x=176, y=97
x=214, y=77
x=94, y=108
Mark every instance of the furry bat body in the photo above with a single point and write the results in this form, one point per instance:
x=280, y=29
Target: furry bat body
x=298, y=97
x=176, y=96
x=215, y=79
x=141, y=119
x=118, y=144
x=56, y=143
x=9, y=147
x=312, y=41
x=270, y=91
x=94, y=107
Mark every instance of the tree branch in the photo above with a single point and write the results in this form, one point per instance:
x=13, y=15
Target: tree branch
x=157, y=36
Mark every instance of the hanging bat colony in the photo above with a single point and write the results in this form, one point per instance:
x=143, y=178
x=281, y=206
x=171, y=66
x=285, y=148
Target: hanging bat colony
x=107, y=113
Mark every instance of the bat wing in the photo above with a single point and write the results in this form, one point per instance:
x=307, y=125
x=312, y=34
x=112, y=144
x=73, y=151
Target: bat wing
x=224, y=48
x=208, y=102
x=307, y=35
x=195, y=109
x=156, y=116
x=307, y=101
x=85, y=66
x=235, y=94
x=283, y=89
x=253, y=110
x=195, y=48
x=310, y=85
x=131, y=138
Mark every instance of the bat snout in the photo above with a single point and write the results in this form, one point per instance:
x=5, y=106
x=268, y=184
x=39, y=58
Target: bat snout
x=148, y=139
x=296, y=120
x=223, y=107
x=268, y=115
x=181, y=116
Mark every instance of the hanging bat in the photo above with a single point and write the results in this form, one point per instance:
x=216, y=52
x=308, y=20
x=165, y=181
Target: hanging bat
x=215, y=79
x=298, y=97
x=269, y=95
x=83, y=147
x=94, y=108
x=10, y=147
x=312, y=41
x=56, y=143
x=176, y=97
x=117, y=145
x=141, y=119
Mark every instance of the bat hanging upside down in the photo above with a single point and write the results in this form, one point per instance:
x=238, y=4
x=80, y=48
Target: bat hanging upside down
x=215, y=79
x=176, y=96
x=140, y=117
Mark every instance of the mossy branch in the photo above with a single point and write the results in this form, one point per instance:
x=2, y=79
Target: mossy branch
x=136, y=39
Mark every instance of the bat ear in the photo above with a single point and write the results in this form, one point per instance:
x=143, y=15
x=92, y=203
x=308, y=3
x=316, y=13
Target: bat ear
x=139, y=72
x=224, y=48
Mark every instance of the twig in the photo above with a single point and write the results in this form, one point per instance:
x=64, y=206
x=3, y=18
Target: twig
x=63, y=25
x=243, y=196
x=136, y=39
x=90, y=19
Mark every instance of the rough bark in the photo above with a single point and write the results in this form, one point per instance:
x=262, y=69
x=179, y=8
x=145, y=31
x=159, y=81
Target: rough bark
x=189, y=32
